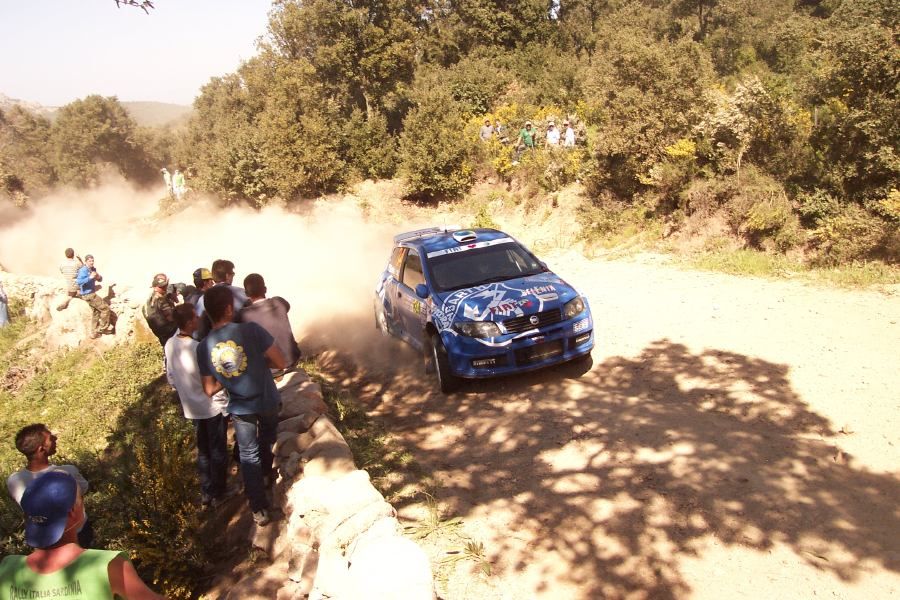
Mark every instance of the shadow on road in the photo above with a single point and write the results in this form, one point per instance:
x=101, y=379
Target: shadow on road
x=624, y=469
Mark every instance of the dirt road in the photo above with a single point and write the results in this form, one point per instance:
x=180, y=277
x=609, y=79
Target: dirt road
x=734, y=438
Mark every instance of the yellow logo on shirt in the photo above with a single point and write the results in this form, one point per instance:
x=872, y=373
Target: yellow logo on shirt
x=229, y=359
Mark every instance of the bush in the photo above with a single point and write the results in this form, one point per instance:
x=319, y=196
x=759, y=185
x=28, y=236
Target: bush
x=854, y=234
x=434, y=157
x=761, y=212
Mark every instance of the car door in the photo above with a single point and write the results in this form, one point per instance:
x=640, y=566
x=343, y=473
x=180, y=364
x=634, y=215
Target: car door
x=390, y=283
x=410, y=308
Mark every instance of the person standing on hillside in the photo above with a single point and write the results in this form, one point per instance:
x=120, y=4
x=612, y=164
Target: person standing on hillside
x=38, y=444
x=271, y=314
x=223, y=276
x=552, y=134
x=167, y=179
x=210, y=426
x=237, y=357
x=69, y=269
x=4, y=302
x=158, y=310
x=486, y=131
x=178, y=185
x=569, y=138
x=59, y=567
x=88, y=279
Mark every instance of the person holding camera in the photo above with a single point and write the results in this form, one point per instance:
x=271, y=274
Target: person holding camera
x=88, y=280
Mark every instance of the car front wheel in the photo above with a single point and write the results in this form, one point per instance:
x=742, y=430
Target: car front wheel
x=447, y=381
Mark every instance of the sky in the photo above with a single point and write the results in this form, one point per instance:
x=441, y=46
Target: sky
x=56, y=51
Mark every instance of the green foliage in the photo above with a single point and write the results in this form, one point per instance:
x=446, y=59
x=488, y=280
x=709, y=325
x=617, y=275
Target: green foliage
x=95, y=133
x=127, y=436
x=643, y=96
x=435, y=158
x=371, y=149
x=484, y=219
x=25, y=168
x=855, y=234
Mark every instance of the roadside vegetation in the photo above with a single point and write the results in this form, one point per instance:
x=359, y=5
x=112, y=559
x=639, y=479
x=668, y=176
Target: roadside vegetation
x=120, y=424
x=776, y=123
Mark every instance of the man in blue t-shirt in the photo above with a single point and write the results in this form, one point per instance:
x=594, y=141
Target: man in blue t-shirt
x=237, y=357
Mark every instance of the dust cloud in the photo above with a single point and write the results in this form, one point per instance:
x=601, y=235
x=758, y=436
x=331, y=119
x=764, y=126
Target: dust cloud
x=324, y=260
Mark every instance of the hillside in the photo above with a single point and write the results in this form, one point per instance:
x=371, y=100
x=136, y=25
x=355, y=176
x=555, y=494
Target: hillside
x=158, y=114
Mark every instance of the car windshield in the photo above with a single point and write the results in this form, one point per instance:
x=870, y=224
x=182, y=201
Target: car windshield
x=459, y=270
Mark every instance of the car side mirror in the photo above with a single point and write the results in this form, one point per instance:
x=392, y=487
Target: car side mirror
x=422, y=291
x=543, y=265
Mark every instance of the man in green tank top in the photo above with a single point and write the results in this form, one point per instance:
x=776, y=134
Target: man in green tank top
x=59, y=567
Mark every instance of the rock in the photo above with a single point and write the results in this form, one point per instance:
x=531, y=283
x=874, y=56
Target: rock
x=289, y=442
x=389, y=568
x=293, y=380
x=298, y=424
x=295, y=402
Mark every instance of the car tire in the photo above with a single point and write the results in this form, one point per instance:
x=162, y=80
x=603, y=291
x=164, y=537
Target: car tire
x=381, y=322
x=447, y=381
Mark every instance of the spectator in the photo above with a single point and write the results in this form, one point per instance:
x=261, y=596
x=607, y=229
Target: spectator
x=210, y=427
x=38, y=444
x=178, y=185
x=526, y=137
x=203, y=280
x=486, y=131
x=59, y=566
x=237, y=357
x=4, y=311
x=167, y=178
x=552, y=134
x=223, y=275
x=500, y=131
x=271, y=314
x=159, y=308
x=569, y=139
x=87, y=280
x=69, y=269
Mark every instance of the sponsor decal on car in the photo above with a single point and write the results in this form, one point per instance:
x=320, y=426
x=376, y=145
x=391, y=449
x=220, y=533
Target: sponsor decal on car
x=467, y=247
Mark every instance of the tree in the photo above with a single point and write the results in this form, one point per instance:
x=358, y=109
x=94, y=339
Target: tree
x=363, y=51
x=25, y=169
x=94, y=132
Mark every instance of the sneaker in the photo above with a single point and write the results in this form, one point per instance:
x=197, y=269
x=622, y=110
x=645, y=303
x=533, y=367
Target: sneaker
x=261, y=518
x=95, y=335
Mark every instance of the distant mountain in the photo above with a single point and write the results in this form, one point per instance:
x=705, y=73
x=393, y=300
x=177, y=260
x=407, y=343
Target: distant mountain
x=147, y=114
x=45, y=111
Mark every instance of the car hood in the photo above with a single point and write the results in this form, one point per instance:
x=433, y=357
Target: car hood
x=502, y=300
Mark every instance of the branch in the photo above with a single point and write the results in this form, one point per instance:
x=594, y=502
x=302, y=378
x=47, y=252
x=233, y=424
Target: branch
x=145, y=5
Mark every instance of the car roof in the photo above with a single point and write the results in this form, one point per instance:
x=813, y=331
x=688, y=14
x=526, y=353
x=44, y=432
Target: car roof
x=434, y=239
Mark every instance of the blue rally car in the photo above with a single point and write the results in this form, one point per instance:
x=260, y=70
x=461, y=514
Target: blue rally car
x=477, y=303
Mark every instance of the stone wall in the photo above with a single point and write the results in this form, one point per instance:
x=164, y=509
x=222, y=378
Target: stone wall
x=339, y=538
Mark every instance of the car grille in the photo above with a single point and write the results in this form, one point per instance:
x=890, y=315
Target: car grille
x=520, y=324
x=538, y=352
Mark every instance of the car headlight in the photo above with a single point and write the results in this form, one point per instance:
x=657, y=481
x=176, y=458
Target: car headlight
x=573, y=307
x=477, y=329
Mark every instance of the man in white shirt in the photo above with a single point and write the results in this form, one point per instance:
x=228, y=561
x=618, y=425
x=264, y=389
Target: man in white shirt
x=38, y=444
x=569, y=139
x=552, y=134
x=210, y=427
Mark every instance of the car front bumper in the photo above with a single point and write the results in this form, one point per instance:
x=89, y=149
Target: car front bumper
x=473, y=358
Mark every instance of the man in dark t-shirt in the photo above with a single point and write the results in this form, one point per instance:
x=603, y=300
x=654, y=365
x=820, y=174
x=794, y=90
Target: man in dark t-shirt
x=271, y=314
x=237, y=357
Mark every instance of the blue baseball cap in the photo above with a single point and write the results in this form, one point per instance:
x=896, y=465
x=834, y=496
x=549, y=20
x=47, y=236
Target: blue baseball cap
x=47, y=502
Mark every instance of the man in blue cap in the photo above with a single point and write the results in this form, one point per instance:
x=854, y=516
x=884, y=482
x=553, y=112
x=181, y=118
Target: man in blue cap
x=59, y=567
